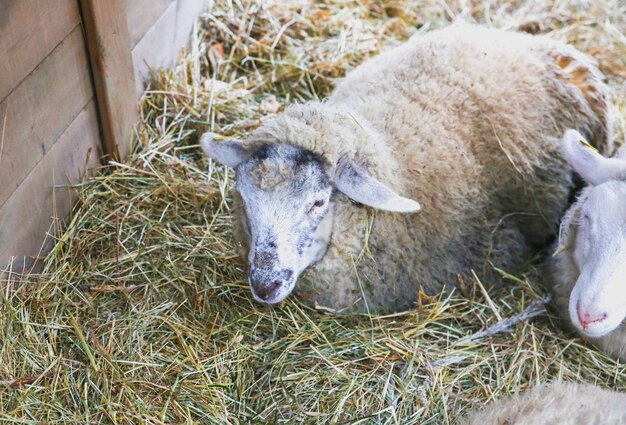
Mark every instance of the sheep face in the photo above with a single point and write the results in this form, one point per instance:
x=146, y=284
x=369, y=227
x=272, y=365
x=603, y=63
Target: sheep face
x=597, y=304
x=288, y=196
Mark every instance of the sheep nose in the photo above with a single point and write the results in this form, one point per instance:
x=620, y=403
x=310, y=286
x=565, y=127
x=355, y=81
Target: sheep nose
x=267, y=285
x=587, y=319
x=265, y=291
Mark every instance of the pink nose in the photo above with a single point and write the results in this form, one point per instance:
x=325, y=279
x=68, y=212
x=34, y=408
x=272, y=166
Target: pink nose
x=587, y=319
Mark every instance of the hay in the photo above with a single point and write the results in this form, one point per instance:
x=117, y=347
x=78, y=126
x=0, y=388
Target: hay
x=143, y=315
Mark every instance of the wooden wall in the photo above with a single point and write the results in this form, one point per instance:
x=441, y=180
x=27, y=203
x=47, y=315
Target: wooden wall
x=62, y=98
x=158, y=29
x=48, y=125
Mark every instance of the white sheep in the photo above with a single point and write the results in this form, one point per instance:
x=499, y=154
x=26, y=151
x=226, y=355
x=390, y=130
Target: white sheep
x=555, y=404
x=466, y=120
x=589, y=267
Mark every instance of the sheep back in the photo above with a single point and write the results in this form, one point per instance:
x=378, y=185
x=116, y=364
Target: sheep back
x=466, y=121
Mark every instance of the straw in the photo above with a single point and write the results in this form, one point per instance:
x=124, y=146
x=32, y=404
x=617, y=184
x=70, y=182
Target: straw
x=143, y=315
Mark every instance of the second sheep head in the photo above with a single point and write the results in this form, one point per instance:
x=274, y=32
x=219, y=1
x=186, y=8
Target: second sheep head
x=595, y=231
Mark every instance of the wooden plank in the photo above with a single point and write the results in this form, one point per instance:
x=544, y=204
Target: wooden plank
x=141, y=15
x=29, y=31
x=161, y=44
x=45, y=195
x=37, y=112
x=112, y=69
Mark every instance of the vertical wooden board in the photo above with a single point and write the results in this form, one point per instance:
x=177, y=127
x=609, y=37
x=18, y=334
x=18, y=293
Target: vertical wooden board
x=141, y=15
x=37, y=112
x=28, y=214
x=112, y=69
x=29, y=31
x=161, y=44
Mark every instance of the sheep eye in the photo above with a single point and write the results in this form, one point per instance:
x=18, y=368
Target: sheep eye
x=317, y=204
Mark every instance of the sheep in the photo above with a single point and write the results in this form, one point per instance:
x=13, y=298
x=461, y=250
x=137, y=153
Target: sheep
x=588, y=269
x=555, y=404
x=464, y=120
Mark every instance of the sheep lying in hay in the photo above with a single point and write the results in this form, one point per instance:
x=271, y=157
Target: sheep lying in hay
x=465, y=120
x=589, y=267
x=555, y=404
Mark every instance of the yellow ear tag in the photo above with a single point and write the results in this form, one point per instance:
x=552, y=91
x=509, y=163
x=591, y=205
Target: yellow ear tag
x=586, y=143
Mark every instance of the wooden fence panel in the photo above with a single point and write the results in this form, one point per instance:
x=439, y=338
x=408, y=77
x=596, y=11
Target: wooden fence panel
x=37, y=112
x=29, y=31
x=47, y=191
x=162, y=42
x=67, y=92
x=141, y=15
x=112, y=68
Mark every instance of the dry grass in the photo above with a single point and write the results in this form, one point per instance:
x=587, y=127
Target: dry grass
x=142, y=314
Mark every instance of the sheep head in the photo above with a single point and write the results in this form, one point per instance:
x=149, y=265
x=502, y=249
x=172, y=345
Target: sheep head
x=597, y=303
x=288, y=195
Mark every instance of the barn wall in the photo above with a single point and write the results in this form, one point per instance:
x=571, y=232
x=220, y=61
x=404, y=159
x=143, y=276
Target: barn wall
x=45, y=93
x=53, y=125
x=158, y=29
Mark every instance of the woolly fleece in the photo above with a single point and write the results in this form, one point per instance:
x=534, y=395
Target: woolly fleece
x=466, y=121
x=555, y=404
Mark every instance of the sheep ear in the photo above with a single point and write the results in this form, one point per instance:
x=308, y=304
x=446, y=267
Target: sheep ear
x=229, y=152
x=353, y=181
x=589, y=163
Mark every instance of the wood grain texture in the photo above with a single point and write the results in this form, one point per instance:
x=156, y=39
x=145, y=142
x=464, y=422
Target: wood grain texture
x=39, y=110
x=141, y=15
x=112, y=69
x=161, y=44
x=29, y=31
x=46, y=196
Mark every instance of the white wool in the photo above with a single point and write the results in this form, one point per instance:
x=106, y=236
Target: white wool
x=464, y=120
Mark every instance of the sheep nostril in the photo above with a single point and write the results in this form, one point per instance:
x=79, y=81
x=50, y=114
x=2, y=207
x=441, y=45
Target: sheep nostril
x=269, y=287
x=587, y=319
x=261, y=292
x=266, y=291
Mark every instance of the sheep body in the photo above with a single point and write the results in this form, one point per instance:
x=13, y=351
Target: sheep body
x=555, y=404
x=466, y=121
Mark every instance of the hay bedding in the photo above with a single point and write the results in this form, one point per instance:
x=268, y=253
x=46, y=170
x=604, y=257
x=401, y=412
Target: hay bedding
x=143, y=315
